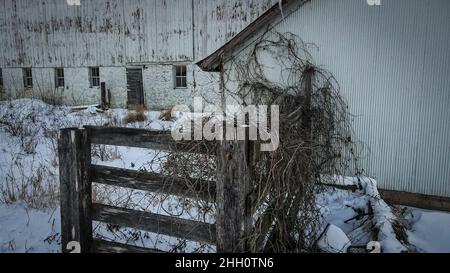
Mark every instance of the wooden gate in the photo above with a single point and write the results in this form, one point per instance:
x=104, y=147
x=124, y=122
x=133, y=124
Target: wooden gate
x=231, y=193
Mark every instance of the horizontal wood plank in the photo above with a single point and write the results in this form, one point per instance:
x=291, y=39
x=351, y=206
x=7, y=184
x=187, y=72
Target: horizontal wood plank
x=154, y=182
x=416, y=200
x=156, y=223
x=142, y=138
x=102, y=246
x=351, y=188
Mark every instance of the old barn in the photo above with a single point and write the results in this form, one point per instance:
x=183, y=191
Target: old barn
x=143, y=50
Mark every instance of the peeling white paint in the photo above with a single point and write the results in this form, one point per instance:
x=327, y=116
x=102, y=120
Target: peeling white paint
x=50, y=33
x=114, y=34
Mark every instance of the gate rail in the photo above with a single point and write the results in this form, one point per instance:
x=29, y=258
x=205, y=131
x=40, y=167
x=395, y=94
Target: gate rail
x=77, y=174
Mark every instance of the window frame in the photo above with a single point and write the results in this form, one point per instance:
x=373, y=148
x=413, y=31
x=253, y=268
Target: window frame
x=27, y=78
x=180, y=76
x=94, y=80
x=60, y=78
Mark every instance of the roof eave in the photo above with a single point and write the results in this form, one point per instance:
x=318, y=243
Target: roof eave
x=213, y=62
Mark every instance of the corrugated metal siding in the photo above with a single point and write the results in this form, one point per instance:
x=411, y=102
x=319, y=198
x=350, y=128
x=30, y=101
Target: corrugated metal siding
x=49, y=33
x=393, y=66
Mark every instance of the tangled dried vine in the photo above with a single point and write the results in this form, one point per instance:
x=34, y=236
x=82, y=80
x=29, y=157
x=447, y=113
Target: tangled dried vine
x=315, y=141
x=315, y=135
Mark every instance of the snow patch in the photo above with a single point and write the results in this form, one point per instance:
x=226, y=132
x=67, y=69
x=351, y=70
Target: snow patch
x=334, y=240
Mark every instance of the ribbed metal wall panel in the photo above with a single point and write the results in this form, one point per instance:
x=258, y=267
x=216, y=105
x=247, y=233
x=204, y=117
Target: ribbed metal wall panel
x=393, y=65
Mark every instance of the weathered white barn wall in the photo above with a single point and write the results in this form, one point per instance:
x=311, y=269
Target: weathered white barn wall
x=158, y=81
x=393, y=65
x=50, y=33
x=216, y=22
x=12, y=80
x=116, y=78
x=162, y=94
x=118, y=33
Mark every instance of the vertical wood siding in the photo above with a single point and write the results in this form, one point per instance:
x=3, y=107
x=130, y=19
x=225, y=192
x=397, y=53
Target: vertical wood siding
x=50, y=33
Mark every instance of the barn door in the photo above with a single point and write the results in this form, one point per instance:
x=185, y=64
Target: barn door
x=135, y=88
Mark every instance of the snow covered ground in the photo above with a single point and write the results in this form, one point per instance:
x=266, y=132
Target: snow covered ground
x=29, y=200
x=428, y=231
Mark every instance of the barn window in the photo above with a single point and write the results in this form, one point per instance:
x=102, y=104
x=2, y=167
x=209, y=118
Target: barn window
x=27, y=78
x=59, y=77
x=180, y=76
x=1, y=78
x=94, y=76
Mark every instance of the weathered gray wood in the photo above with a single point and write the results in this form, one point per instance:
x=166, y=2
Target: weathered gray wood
x=352, y=188
x=75, y=189
x=141, y=138
x=262, y=228
x=233, y=188
x=167, y=225
x=416, y=200
x=135, y=88
x=153, y=182
x=102, y=246
x=103, y=95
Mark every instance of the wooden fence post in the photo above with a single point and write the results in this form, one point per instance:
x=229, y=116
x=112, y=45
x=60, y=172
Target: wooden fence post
x=233, y=215
x=103, y=95
x=75, y=189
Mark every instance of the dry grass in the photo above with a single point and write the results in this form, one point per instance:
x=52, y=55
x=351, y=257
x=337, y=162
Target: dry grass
x=136, y=115
x=166, y=115
x=38, y=188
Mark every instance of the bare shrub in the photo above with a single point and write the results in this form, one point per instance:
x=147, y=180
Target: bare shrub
x=25, y=128
x=29, y=144
x=112, y=120
x=14, y=128
x=3, y=94
x=105, y=153
x=38, y=188
x=51, y=97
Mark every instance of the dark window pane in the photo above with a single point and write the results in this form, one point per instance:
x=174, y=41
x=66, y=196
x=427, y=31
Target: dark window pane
x=95, y=81
x=94, y=74
x=60, y=72
x=180, y=76
x=180, y=70
x=59, y=77
x=27, y=77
